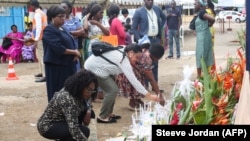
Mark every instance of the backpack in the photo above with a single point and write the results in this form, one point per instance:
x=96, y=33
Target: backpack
x=98, y=48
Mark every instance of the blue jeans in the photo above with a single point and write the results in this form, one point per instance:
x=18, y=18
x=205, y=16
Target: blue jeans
x=171, y=37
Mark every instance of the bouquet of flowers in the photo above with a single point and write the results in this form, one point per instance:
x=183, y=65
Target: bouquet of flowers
x=210, y=100
x=213, y=97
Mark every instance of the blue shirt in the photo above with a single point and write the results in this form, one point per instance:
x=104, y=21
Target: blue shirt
x=73, y=24
x=173, y=20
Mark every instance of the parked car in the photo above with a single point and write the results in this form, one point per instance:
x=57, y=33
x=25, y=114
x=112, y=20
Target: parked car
x=236, y=16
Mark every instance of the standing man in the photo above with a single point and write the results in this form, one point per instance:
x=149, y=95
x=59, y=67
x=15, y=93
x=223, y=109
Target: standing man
x=39, y=23
x=174, y=23
x=149, y=20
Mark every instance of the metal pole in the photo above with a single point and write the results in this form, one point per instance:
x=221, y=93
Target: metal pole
x=247, y=2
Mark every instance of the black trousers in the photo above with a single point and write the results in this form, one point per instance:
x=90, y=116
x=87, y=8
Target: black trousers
x=60, y=131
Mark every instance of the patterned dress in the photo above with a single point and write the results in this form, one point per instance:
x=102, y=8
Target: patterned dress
x=203, y=41
x=63, y=107
x=212, y=30
x=144, y=63
x=28, y=48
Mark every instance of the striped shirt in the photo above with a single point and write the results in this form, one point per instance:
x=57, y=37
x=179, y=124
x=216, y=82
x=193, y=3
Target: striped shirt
x=103, y=68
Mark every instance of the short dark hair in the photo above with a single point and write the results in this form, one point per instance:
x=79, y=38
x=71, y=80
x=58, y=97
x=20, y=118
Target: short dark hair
x=53, y=11
x=13, y=26
x=79, y=81
x=113, y=10
x=70, y=5
x=35, y=3
x=156, y=50
x=94, y=10
x=29, y=24
x=124, y=11
x=133, y=47
x=87, y=9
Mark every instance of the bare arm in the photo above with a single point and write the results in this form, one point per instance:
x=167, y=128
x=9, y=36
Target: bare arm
x=210, y=19
x=79, y=32
x=149, y=75
x=97, y=23
x=73, y=52
x=86, y=24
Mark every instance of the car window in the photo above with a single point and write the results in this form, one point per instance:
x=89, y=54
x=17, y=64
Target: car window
x=234, y=13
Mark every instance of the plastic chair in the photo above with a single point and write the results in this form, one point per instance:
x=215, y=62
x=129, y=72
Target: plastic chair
x=181, y=35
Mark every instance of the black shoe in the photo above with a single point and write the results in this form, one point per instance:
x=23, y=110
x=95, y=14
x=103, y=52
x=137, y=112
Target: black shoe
x=116, y=116
x=169, y=57
x=111, y=120
x=39, y=75
x=43, y=79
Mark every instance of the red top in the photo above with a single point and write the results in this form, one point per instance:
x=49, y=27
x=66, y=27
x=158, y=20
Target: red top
x=116, y=28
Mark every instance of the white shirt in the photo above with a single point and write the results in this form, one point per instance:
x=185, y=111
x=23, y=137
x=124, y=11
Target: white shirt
x=152, y=23
x=95, y=33
x=103, y=68
x=38, y=19
x=123, y=19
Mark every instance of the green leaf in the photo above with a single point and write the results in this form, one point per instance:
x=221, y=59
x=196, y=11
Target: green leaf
x=215, y=1
x=207, y=92
x=199, y=117
x=185, y=115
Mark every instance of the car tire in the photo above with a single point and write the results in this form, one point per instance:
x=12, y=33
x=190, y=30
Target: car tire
x=237, y=20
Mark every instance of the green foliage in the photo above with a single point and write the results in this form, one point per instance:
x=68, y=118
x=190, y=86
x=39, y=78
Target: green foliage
x=242, y=38
x=207, y=93
x=215, y=1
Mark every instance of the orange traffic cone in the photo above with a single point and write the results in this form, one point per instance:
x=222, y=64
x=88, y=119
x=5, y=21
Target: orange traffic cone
x=11, y=71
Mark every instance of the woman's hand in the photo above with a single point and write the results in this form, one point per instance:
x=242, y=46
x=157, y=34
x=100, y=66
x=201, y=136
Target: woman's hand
x=87, y=117
x=77, y=53
x=162, y=100
x=150, y=96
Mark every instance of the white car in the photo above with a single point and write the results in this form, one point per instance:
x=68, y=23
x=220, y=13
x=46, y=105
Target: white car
x=236, y=16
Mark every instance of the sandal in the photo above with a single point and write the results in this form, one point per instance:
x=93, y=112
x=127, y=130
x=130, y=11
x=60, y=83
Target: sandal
x=110, y=120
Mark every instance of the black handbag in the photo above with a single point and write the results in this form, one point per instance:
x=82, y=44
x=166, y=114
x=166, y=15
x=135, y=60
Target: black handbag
x=192, y=23
x=6, y=43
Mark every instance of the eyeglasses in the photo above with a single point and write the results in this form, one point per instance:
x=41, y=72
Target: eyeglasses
x=61, y=16
x=90, y=91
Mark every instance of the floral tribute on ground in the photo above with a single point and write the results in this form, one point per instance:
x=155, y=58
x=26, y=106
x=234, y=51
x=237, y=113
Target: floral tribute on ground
x=210, y=100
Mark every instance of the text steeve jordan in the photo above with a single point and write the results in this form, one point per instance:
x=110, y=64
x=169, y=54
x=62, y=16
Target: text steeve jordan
x=191, y=132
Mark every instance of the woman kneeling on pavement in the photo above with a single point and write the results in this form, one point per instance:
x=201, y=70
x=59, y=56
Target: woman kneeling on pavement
x=68, y=113
x=106, y=73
